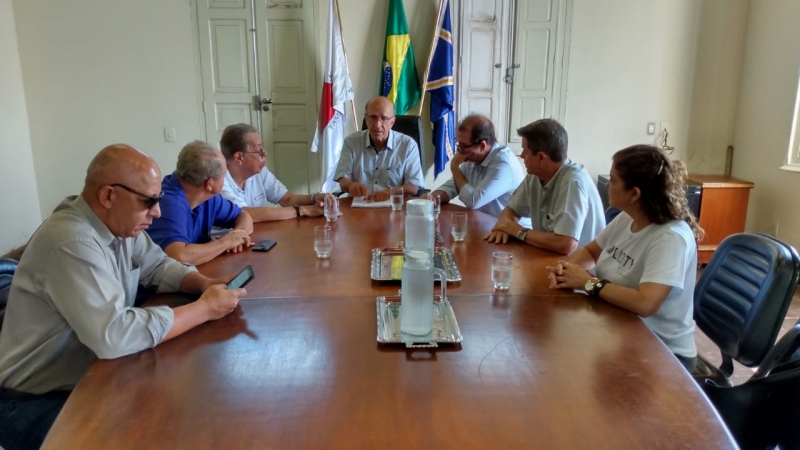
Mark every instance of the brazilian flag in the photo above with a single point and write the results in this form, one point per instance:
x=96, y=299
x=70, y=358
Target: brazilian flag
x=399, y=81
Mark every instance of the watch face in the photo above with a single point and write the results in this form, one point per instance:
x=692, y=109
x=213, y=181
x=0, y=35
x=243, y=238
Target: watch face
x=588, y=286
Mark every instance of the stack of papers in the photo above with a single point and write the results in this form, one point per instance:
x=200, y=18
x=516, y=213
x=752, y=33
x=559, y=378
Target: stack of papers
x=359, y=202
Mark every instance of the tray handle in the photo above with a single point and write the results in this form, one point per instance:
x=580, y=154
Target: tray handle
x=422, y=345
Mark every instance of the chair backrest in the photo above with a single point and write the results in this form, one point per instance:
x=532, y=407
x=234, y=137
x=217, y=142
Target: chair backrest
x=7, y=268
x=410, y=126
x=742, y=297
x=765, y=410
x=611, y=213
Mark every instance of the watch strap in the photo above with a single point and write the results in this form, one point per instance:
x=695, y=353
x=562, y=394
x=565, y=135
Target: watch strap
x=598, y=286
x=297, y=210
x=522, y=233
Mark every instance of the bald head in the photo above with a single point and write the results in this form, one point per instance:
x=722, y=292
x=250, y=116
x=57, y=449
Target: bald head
x=123, y=164
x=379, y=104
x=479, y=128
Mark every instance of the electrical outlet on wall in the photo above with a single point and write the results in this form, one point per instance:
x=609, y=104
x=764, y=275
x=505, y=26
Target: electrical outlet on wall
x=169, y=134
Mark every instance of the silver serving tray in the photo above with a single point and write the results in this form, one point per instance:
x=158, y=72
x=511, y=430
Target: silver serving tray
x=381, y=265
x=445, y=327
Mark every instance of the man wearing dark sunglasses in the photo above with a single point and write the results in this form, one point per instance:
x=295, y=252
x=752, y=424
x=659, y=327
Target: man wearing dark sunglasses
x=484, y=172
x=72, y=296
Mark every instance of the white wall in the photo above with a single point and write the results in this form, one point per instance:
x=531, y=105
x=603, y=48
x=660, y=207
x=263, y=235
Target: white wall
x=19, y=202
x=763, y=124
x=631, y=62
x=98, y=73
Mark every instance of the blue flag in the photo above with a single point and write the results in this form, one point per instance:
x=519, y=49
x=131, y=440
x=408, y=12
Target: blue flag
x=440, y=85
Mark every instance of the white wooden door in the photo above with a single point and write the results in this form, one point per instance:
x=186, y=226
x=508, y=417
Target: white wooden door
x=484, y=50
x=512, y=74
x=226, y=61
x=287, y=75
x=540, y=51
x=252, y=50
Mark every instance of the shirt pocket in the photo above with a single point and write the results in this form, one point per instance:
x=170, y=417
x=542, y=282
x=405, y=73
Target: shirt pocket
x=395, y=176
x=549, y=223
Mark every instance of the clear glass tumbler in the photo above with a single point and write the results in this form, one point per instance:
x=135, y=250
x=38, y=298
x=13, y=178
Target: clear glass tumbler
x=502, y=270
x=331, y=208
x=323, y=242
x=397, y=198
x=459, y=229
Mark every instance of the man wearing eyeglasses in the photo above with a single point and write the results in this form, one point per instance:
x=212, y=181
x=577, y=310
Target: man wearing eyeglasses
x=558, y=195
x=192, y=206
x=251, y=186
x=72, y=296
x=485, y=173
x=377, y=159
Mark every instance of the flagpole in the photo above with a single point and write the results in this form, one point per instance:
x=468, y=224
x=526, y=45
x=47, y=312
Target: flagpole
x=436, y=31
x=344, y=50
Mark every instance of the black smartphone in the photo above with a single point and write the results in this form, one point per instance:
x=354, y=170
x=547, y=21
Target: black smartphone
x=264, y=246
x=242, y=279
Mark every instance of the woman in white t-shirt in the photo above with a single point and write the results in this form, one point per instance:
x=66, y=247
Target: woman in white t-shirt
x=646, y=258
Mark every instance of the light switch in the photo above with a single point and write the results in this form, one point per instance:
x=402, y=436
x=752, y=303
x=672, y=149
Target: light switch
x=169, y=134
x=651, y=128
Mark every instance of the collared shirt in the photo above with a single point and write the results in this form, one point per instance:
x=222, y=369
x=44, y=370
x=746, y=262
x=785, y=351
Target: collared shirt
x=180, y=223
x=568, y=204
x=259, y=190
x=490, y=183
x=395, y=165
x=71, y=300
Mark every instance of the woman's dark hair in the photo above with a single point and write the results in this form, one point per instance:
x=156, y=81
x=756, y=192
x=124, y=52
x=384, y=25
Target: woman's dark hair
x=663, y=191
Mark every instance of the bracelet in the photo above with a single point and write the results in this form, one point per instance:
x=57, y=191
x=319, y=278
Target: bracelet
x=314, y=198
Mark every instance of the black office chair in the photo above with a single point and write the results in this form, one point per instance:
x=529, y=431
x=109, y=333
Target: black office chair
x=410, y=126
x=765, y=410
x=741, y=299
x=611, y=213
x=7, y=268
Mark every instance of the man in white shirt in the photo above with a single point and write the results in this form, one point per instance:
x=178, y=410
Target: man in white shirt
x=251, y=186
x=377, y=159
x=558, y=195
x=485, y=173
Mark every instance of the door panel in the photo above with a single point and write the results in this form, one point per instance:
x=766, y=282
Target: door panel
x=226, y=57
x=284, y=29
x=286, y=50
x=541, y=41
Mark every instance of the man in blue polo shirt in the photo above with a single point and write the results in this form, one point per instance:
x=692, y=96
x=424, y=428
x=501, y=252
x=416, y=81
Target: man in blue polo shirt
x=191, y=206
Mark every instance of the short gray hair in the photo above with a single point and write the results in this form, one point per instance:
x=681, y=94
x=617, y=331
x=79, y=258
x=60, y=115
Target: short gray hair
x=197, y=162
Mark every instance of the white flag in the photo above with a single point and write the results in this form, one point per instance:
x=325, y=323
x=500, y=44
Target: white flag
x=336, y=91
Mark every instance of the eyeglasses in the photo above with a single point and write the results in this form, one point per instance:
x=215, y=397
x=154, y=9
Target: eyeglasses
x=373, y=118
x=463, y=147
x=149, y=200
x=261, y=152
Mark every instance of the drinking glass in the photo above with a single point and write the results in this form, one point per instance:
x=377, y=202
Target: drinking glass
x=459, y=230
x=437, y=205
x=322, y=241
x=502, y=270
x=331, y=208
x=397, y=198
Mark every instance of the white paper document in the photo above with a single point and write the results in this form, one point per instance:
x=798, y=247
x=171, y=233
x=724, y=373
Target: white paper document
x=359, y=202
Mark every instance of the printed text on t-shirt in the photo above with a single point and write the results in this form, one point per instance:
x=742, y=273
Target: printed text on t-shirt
x=620, y=257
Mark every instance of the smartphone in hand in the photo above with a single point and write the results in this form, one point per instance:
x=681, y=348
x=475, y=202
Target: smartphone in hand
x=242, y=279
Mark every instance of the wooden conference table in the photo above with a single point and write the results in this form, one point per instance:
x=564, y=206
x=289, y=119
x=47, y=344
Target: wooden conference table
x=298, y=365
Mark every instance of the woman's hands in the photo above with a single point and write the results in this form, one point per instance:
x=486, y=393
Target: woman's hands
x=566, y=275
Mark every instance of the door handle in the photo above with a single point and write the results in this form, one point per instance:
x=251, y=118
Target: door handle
x=261, y=103
x=510, y=73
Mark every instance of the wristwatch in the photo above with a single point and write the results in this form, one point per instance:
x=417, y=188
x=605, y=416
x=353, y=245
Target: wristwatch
x=297, y=210
x=522, y=233
x=594, y=285
x=314, y=198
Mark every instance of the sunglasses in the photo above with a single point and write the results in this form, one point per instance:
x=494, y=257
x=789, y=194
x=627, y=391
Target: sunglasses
x=149, y=200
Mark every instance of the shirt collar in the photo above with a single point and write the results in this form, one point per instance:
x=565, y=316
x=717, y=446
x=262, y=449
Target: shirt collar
x=563, y=168
x=492, y=154
x=389, y=141
x=103, y=233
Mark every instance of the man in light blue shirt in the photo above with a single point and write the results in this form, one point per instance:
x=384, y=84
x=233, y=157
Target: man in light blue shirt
x=558, y=195
x=485, y=173
x=377, y=159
